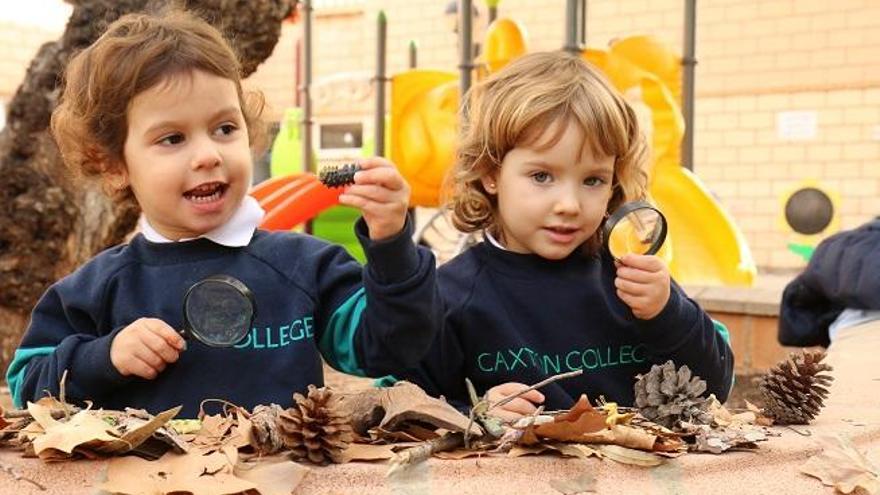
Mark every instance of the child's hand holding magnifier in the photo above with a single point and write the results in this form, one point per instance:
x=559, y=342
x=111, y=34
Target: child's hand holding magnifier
x=633, y=234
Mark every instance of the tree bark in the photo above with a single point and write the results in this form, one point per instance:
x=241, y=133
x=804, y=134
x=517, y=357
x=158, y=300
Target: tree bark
x=50, y=224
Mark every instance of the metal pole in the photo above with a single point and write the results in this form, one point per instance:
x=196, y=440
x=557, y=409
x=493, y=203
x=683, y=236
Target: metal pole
x=381, y=35
x=571, y=27
x=465, y=32
x=687, y=87
x=413, y=54
x=583, y=22
x=306, y=98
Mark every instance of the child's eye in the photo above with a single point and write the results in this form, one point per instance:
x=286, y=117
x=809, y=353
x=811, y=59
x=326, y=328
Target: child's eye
x=541, y=177
x=594, y=181
x=226, y=129
x=171, y=139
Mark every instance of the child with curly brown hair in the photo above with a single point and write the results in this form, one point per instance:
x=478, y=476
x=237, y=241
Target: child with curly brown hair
x=549, y=151
x=155, y=109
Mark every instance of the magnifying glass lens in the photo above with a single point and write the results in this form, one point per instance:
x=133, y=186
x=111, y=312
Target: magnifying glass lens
x=219, y=310
x=635, y=228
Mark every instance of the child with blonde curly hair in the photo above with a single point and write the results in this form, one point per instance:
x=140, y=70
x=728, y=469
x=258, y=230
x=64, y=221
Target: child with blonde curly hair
x=550, y=149
x=155, y=109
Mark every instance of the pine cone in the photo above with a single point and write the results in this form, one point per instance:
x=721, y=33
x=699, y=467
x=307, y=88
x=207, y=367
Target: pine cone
x=794, y=389
x=338, y=176
x=266, y=433
x=666, y=396
x=314, y=429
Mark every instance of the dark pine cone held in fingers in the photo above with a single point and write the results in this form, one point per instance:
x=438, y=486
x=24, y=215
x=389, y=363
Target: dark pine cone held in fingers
x=338, y=176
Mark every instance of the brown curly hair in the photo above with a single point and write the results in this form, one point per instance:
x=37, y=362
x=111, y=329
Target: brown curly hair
x=515, y=105
x=135, y=53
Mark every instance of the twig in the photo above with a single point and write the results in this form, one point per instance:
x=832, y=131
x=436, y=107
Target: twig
x=62, y=395
x=18, y=477
x=423, y=452
x=803, y=433
x=538, y=385
x=24, y=413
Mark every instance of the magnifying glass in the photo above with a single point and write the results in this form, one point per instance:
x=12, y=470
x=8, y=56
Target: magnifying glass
x=634, y=228
x=218, y=311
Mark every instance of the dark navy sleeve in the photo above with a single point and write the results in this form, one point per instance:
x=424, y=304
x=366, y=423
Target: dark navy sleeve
x=63, y=336
x=684, y=333
x=386, y=322
x=845, y=268
x=842, y=273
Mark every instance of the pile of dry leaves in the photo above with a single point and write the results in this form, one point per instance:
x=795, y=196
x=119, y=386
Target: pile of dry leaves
x=260, y=451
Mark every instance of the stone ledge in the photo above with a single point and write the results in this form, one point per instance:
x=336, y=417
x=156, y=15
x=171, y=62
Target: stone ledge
x=741, y=300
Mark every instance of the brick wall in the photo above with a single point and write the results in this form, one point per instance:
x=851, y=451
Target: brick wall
x=757, y=60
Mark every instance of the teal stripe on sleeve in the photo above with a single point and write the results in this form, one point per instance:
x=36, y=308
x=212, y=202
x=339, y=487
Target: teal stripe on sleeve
x=15, y=373
x=337, y=341
x=721, y=329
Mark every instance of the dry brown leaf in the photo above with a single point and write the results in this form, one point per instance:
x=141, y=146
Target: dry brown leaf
x=625, y=455
x=579, y=422
x=197, y=473
x=85, y=429
x=575, y=450
x=273, y=475
x=522, y=450
x=367, y=452
x=140, y=433
x=842, y=466
x=408, y=402
x=585, y=483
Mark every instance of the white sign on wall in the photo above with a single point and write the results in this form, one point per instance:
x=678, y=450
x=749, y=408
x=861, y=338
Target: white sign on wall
x=799, y=125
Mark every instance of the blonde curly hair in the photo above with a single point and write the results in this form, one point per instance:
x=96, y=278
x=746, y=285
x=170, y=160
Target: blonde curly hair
x=135, y=53
x=513, y=108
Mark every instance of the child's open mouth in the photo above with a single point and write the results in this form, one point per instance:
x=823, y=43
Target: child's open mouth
x=206, y=193
x=561, y=234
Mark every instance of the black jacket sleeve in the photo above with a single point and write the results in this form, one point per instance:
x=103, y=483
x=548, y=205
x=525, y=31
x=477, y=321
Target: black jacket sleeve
x=844, y=272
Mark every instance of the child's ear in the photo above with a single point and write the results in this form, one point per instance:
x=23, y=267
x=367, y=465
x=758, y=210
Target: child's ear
x=490, y=184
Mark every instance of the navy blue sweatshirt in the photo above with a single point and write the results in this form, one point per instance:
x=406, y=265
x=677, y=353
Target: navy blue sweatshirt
x=521, y=318
x=311, y=300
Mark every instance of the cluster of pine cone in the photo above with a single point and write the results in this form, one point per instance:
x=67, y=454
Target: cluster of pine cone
x=313, y=430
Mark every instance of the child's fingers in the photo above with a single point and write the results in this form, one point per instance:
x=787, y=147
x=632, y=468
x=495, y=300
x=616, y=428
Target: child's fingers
x=636, y=275
x=374, y=162
x=520, y=406
x=156, y=343
x=371, y=192
x=168, y=334
x=507, y=416
x=631, y=288
x=138, y=367
x=648, y=263
x=387, y=177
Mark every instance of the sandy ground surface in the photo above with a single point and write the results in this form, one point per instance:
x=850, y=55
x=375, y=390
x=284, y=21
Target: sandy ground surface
x=852, y=411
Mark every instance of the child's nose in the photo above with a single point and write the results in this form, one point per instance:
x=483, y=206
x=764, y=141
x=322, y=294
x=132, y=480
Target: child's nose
x=206, y=155
x=567, y=203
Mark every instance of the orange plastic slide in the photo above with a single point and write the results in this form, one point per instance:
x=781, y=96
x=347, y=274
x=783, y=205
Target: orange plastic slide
x=290, y=200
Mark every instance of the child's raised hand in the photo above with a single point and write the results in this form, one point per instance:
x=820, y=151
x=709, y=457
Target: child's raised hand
x=145, y=347
x=517, y=408
x=643, y=284
x=382, y=195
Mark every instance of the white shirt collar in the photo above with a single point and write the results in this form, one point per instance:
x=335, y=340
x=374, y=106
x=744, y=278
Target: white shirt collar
x=494, y=241
x=236, y=232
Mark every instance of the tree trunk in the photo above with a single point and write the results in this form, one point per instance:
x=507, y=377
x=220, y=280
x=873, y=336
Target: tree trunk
x=48, y=224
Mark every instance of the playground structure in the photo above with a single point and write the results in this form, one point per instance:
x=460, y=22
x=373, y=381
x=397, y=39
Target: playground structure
x=704, y=246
